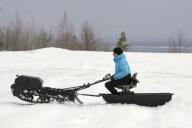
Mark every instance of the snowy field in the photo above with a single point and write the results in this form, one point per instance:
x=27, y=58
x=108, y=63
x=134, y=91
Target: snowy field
x=158, y=72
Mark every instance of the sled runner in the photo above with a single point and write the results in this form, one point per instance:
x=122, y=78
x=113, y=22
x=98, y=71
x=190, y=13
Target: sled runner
x=30, y=89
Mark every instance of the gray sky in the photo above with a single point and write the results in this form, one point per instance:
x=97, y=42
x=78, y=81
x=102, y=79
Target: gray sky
x=141, y=20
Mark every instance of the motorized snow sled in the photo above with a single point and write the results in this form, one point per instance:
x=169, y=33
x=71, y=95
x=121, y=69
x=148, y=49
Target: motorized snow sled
x=30, y=89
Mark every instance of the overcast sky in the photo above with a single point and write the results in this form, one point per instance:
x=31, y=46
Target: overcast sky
x=139, y=19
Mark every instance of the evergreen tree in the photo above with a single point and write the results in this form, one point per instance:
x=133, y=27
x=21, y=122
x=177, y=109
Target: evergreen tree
x=122, y=42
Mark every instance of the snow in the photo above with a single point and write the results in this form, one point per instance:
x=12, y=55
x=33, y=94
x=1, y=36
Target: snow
x=158, y=72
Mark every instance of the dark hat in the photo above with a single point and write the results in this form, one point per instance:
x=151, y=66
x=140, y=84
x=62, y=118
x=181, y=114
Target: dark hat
x=118, y=50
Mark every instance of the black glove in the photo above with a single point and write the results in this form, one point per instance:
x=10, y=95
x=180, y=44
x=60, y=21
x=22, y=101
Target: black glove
x=108, y=77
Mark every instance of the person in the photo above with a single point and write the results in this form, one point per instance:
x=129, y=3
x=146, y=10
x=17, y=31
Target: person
x=122, y=71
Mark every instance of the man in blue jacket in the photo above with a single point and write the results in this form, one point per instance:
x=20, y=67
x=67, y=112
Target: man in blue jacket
x=122, y=71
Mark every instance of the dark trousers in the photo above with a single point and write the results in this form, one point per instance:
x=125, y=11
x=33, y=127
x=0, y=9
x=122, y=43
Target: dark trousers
x=114, y=83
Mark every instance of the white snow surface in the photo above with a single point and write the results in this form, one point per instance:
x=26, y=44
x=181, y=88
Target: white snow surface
x=59, y=68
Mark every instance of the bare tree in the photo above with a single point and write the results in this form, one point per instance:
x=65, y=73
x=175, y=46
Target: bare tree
x=43, y=38
x=66, y=37
x=88, y=37
x=38, y=38
x=176, y=44
x=16, y=36
x=1, y=38
x=13, y=34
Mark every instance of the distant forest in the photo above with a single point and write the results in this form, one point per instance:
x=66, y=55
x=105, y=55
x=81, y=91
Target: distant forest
x=15, y=36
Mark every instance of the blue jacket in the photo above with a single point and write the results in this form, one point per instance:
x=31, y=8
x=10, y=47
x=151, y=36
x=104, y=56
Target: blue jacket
x=121, y=67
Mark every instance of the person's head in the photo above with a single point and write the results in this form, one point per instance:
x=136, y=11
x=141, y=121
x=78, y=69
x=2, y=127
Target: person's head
x=117, y=51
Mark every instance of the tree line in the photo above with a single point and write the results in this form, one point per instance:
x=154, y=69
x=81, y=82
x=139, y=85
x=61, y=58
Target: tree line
x=16, y=36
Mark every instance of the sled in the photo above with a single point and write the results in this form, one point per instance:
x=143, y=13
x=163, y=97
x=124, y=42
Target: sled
x=143, y=99
x=30, y=89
